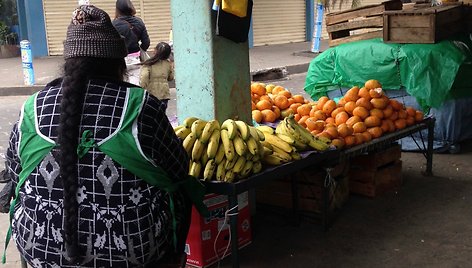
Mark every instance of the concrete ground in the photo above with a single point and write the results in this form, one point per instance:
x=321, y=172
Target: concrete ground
x=427, y=223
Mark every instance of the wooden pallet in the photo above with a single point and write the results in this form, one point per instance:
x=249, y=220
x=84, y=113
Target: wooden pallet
x=377, y=172
x=359, y=23
x=310, y=190
x=424, y=24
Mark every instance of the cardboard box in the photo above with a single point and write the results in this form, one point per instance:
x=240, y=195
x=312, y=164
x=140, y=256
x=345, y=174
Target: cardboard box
x=200, y=246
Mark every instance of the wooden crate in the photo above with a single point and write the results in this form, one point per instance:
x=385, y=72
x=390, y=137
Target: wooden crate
x=377, y=172
x=359, y=23
x=310, y=190
x=423, y=24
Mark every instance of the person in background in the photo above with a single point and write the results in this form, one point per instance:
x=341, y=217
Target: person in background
x=156, y=72
x=102, y=180
x=134, y=31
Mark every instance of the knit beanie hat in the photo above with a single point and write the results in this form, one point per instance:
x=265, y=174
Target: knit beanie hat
x=91, y=34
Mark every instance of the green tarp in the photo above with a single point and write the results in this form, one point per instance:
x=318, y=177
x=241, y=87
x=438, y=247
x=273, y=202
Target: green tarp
x=426, y=71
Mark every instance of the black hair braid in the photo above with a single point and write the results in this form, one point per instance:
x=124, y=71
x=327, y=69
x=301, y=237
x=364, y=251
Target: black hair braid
x=77, y=72
x=163, y=51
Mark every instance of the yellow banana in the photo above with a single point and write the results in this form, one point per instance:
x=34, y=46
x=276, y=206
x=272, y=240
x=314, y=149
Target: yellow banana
x=198, y=149
x=267, y=144
x=178, y=127
x=282, y=154
x=256, y=167
x=220, y=171
x=324, y=139
x=195, y=169
x=265, y=129
x=317, y=144
x=210, y=168
x=182, y=133
x=273, y=160
x=239, y=145
x=246, y=169
x=208, y=130
x=197, y=127
x=276, y=141
x=231, y=127
x=229, y=176
x=239, y=165
x=230, y=163
x=294, y=132
x=188, y=143
x=256, y=134
x=252, y=146
x=267, y=151
x=228, y=144
x=295, y=155
x=204, y=158
x=213, y=144
x=286, y=138
x=243, y=129
x=220, y=154
x=189, y=121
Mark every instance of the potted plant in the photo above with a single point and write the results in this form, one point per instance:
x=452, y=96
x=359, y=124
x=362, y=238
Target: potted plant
x=8, y=42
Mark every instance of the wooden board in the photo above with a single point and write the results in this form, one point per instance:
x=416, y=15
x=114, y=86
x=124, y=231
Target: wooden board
x=374, y=160
x=385, y=179
x=372, y=22
x=365, y=11
x=357, y=37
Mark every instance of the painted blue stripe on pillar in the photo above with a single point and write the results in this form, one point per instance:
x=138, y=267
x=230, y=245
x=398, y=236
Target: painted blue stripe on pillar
x=251, y=36
x=310, y=19
x=36, y=28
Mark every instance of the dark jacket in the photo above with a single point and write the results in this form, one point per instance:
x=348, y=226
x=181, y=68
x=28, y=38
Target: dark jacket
x=133, y=30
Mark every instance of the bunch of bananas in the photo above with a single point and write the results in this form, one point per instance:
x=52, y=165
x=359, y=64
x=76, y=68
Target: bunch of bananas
x=277, y=149
x=225, y=152
x=298, y=136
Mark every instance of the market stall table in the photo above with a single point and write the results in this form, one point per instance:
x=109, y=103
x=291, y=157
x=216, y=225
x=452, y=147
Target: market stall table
x=321, y=159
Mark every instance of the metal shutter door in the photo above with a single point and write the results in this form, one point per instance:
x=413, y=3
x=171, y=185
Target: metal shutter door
x=278, y=21
x=158, y=21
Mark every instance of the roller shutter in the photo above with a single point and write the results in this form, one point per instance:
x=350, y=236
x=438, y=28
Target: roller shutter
x=57, y=14
x=278, y=21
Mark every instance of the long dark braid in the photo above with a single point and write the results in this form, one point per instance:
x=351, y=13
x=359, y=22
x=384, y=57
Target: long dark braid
x=77, y=72
x=162, y=50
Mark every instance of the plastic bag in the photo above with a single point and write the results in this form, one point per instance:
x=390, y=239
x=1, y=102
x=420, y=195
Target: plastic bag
x=235, y=7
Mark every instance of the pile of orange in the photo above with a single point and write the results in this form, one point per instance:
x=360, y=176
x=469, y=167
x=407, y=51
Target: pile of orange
x=271, y=102
x=361, y=115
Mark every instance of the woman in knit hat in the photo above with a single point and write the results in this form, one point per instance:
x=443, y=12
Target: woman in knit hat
x=98, y=172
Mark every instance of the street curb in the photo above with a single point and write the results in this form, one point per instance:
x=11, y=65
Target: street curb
x=264, y=75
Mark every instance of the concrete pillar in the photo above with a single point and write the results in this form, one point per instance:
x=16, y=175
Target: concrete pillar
x=211, y=73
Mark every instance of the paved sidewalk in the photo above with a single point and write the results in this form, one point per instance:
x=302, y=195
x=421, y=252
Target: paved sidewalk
x=293, y=57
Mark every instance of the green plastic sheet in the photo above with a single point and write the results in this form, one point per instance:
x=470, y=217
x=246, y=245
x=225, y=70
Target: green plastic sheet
x=425, y=71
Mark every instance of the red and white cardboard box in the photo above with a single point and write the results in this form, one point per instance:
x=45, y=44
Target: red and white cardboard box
x=202, y=239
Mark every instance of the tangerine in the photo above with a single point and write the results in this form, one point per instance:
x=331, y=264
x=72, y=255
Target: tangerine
x=329, y=107
x=372, y=121
x=332, y=131
x=286, y=93
x=257, y=116
x=286, y=112
x=375, y=132
x=359, y=127
x=402, y=114
x=362, y=102
x=338, y=142
x=344, y=130
x=258, y=88
x=268, y=115
x=361, y=112
x=384, y=126
x=379, y=103
x=394, y=116
x=410, y=111
x=388, y=111
x=321, y=101
x=377, y=112
x=276, y=111
x=352, y=94
x=349, y=107
x=410, y=120
x=324, y=134
x=396, y=105
x=419, y=116
x=372, y=83
x=304, y=109
x=359, y=138
x=353, y=119
x=277, y=89
x=319, y=115
x=298, y=98
x=349, y=141
x=310, y=123
x=330, y=120
x=341, y=117
x=302, y=120
x=364, y=93
x=336, y=111
x=297, y=117
x=320, y=125
x=367, y=136
x=281, y=102
x=295, y=106
x=263, y=105
x=400, y=123
x=375, y=93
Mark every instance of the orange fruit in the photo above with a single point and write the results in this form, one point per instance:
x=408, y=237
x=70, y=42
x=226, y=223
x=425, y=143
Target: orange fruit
x=359, y=138
x=310, y=123
x=361, y=112
x=419, y=116
x=253, y=106
x=402, y=114
x=276, y=111
x=367, y=136
x=257, y=116
x=265, y=97
x=375, y=93
x=258, y=88
x=400, y=123
x=336, y=111
x=281, y=102
x=291, y=101
x=320, y=125
x=330, y=120
x=285, y=93
x=353, y=119
x=315, y=132
x=332, y=132
x=379, y=103
x=329, y=107
x=295, y=106
x=410, y=111
x=255, y=97
x=394, y=116
x=345, y=130
x=321, y=101
x=263, y=105
x=375, y=132
x=359, y=127
x=324, y=134
x=319, y=115
x=286, y=112
x=372, y=83
x=277, y=89
x=410, y=120
x=372, y=121
x=361, y=102
x=396, y=105
x=304, y=109
x=364, y=93
x=269, y=88
x=350, y=141
x=388, y=111
x=384, y=126
x=349, y=107
x=302, y=120
x=297, y=117
x=342, y=102
x=338, y=143
x=391, y=125
x=298, y=98
x=341, y=117
x=352, y=94
x=377, y=112
x=268, y=115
